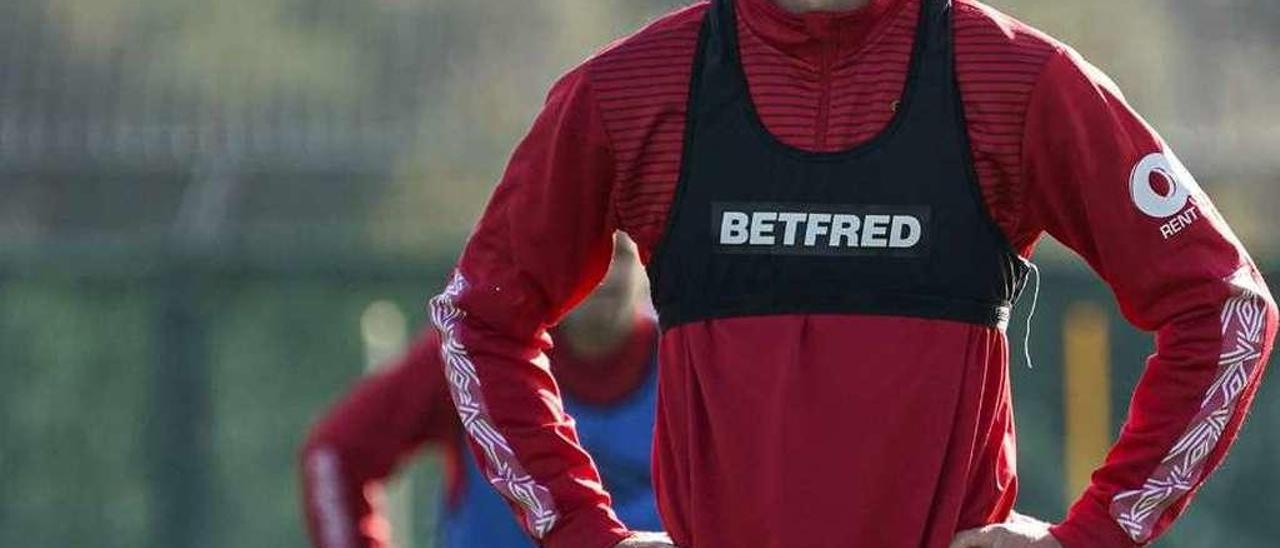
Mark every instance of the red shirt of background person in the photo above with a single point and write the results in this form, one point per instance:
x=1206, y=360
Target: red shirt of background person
x=871, y=441
x=603, y=359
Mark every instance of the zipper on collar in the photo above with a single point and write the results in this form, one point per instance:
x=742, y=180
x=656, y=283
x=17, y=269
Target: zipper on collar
x=824, y=97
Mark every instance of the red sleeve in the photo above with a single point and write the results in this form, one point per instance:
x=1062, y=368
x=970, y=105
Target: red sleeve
x=1102, y=182
x=543, y=243
x=361, y=441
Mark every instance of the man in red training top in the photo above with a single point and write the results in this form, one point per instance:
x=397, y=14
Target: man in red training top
x=834, y=200
x=604, y=359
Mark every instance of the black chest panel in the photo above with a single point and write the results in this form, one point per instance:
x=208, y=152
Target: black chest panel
x=896, y=226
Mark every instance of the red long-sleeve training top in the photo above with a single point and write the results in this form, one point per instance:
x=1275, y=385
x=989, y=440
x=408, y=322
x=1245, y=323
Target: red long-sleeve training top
x=846, y=430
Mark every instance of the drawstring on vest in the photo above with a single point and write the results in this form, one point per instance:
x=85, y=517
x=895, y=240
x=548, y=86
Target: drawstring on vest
x=1035, y=297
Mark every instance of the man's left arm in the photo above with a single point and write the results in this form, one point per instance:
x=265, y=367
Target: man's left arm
x=1102, y=182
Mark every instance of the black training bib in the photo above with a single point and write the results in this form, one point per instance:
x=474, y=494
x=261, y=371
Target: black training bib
x=896, y=226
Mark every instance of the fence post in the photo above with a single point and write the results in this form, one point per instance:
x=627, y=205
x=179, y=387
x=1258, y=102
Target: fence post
x=179, y=429
x=181, y=425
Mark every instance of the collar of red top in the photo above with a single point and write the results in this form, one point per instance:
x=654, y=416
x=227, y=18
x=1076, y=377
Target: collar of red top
x=807, y=35
x=606, y=379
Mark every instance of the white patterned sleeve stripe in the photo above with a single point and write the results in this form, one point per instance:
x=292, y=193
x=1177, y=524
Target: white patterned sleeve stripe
x=326, y=498
x=505, y=471
x=1243, y=323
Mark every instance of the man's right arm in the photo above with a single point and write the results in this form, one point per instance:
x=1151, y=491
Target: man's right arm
x=543, y=243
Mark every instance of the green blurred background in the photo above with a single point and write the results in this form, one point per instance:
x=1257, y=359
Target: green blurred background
x=215, y=214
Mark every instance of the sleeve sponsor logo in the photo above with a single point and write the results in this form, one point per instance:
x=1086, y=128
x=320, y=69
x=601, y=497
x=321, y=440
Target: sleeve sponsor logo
x=1161, y=188
x=836, y=230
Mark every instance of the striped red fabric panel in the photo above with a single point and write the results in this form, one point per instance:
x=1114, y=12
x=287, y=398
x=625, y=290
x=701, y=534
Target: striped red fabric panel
x=641, y=85
x=998, y=62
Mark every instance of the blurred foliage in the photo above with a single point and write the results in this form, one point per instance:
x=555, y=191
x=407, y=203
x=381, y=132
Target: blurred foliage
x=72, y=407
x=229, y=51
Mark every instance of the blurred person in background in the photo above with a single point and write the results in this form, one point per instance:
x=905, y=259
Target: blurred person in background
x=835, y=201
x=605, y=363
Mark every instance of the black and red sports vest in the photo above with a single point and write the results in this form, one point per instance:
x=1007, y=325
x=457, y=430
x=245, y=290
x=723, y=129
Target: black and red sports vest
x=895, y=226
